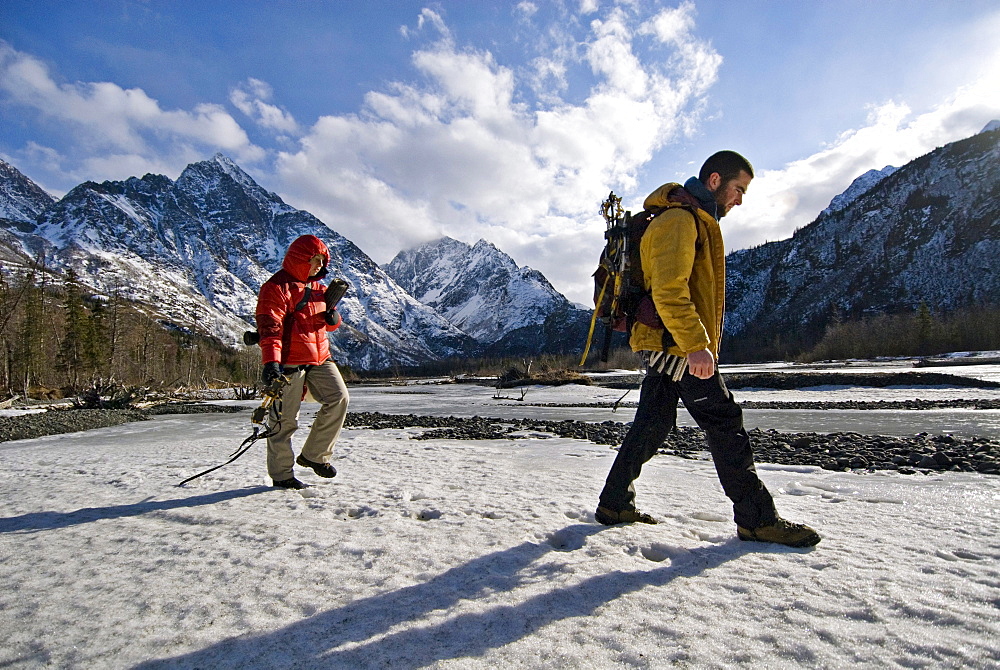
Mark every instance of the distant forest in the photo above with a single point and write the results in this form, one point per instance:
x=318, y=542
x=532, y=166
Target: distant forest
x=58, y=340
x=919, y=333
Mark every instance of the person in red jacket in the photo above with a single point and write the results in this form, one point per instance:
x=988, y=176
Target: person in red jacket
x=294, y=314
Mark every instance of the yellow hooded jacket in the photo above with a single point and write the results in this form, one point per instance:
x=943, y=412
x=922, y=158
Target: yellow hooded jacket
x=684, y=269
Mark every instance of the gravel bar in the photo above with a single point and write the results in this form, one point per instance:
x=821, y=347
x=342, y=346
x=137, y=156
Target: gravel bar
x=833, y=451
x=72, y=420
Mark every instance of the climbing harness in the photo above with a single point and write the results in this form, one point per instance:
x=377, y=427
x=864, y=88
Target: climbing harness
x=266, y=421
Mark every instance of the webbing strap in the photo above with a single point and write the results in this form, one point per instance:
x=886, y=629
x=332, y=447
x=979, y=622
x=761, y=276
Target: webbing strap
x=593, y=320
x=305, y=298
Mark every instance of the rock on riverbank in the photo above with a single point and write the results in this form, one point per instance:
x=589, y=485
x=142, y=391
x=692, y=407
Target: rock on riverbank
x=833, y=451
x=58, y=421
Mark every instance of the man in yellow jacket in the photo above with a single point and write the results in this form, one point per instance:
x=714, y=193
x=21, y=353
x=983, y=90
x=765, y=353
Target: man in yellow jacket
x=684, y=270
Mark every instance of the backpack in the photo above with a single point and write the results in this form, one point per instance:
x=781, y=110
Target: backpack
x=620, y=295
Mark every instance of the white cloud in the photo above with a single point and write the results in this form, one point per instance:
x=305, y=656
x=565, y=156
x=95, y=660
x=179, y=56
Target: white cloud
x=113, y=122
x=527, y=9
x=460, y=151
x=780, y=201
x=252, y=98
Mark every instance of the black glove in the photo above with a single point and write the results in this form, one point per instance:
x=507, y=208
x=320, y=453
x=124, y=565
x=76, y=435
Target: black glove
x=271, y=372
x=334, y=292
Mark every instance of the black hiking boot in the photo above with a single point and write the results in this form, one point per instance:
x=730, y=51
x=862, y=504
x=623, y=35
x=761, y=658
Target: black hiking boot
x=321, y=469
x=609, y=517
x=781, y=532
x=292, y=483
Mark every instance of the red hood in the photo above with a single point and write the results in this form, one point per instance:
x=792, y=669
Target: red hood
x=297, y=257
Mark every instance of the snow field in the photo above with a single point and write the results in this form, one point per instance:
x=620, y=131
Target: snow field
x=472, y=554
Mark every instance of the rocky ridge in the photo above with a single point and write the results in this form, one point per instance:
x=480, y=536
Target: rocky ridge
x=927, y=232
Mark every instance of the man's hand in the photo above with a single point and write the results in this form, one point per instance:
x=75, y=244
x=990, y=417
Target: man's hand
x=701, y=364
x=270, y=372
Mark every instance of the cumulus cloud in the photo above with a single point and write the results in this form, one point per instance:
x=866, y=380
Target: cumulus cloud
x=461, y=150
x=118, y=123
x=472, y=147
x=252, y=97
x=780, y=201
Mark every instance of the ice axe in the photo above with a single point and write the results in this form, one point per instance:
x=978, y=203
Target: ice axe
x=269, y=410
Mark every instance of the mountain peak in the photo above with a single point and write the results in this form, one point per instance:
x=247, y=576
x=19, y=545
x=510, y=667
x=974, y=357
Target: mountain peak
x=991, y=126
x=198, y=249
x=858, y=187
x=227, y=164
x=479, y=288
x=20, y=198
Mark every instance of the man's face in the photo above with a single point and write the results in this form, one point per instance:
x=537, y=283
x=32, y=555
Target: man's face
x=731, y=193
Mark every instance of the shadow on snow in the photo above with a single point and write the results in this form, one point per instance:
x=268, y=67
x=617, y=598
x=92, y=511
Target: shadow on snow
x=37, y=521
x=354, y=635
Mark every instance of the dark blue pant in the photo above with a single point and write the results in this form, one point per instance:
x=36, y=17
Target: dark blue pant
x=713, y=408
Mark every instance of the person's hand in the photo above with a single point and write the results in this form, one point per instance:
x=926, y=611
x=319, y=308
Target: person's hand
x=270, y=372
x=701, y=364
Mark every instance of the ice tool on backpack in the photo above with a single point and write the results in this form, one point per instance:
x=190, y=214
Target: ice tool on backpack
x=266, y=421
x=609, y=273
x=620, y=297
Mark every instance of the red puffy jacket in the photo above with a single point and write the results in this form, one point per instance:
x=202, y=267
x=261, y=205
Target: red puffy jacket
x=295, y=336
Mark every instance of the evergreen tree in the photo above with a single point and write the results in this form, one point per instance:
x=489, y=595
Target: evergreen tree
x=925, y=329
x=73, y=348
x=29, y=354
x=97, y=343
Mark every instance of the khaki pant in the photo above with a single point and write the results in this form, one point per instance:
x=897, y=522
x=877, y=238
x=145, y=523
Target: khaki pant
x=327, y=387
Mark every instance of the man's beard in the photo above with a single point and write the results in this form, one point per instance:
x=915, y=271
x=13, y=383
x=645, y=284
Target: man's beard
x=720, y=207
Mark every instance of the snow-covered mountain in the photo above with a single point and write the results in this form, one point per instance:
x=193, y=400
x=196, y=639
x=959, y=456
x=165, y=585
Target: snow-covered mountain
x=858, y=187
x=197, y=250
x=929, y=232
x=20, y=198
x=511, y=310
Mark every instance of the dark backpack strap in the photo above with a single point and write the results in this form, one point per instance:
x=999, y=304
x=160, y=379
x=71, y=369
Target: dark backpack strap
x=300, y=305
x=305, y=299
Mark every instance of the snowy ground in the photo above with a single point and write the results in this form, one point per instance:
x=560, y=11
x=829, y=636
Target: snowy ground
x=472, y=555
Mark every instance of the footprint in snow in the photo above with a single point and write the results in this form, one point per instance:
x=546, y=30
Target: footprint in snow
x=659, y=552
x=427, y=515
x=565, y=540
x=355, y=512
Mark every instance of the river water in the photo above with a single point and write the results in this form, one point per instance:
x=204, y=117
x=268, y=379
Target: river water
x=576, y=402
x=467, y=400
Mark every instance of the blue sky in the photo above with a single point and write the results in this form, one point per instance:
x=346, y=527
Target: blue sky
x=399, y=122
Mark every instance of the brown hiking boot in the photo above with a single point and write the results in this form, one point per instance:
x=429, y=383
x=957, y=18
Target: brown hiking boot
x=781, y=532
x=610, y=517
